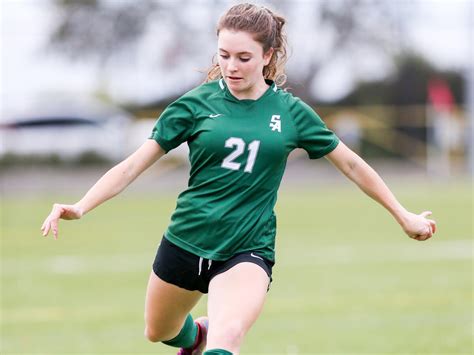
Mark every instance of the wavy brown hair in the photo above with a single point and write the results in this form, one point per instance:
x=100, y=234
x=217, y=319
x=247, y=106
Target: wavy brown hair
x=266, y=28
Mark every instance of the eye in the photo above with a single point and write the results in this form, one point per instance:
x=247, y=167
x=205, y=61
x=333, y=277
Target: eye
x=244, y=59
x=224, y=56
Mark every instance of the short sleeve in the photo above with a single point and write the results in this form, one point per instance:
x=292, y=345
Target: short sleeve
x=313, y=135
x=174, y=126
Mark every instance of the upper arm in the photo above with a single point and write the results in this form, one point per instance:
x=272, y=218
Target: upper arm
x=147, y=154
x=343, y=158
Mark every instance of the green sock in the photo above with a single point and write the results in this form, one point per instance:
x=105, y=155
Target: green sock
x=187, y=335
x=217, y=352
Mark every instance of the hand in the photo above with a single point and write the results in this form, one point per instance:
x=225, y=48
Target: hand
x=59, y=212
x=418, y=226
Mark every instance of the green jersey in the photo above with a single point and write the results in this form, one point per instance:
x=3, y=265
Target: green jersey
x=238, y=151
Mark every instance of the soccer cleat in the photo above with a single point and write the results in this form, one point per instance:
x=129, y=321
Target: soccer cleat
x=201, y=338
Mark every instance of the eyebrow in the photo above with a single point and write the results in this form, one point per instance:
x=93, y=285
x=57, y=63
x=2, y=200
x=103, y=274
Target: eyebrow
x=244, y=52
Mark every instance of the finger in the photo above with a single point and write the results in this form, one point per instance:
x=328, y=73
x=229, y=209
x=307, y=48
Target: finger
x=426, y=214
x=433, y=225
x=421, y=238
x=45, y=228
x=423, y=235
x=45, y=223
x=54, y=228
x=56, y=212
x=428, y=233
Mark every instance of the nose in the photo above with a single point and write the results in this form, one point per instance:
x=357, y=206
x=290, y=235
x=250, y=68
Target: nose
x=232, y=66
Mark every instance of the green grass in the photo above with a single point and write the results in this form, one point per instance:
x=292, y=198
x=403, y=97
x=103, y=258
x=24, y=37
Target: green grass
x=346, y=280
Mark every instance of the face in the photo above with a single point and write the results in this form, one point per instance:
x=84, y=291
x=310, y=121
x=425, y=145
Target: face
x=241, y=60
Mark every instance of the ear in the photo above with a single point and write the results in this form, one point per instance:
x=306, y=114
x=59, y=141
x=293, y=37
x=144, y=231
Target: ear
x=268, y=56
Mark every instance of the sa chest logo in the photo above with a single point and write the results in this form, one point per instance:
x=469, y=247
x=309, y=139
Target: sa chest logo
x=275, y=123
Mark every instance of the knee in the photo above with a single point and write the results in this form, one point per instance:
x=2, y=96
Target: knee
x=229, y=334
x=152, y=335
x=158, y=334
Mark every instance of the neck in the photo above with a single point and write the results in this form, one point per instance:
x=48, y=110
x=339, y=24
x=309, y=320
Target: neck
x=254, y=93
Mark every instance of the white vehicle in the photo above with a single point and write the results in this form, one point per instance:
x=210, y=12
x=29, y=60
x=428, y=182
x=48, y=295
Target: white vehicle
x=67, y=131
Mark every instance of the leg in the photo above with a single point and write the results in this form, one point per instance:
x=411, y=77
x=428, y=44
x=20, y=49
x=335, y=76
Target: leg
x=236, y=298
x=166, y=308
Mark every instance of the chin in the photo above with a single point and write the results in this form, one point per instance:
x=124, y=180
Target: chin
x=237, y=86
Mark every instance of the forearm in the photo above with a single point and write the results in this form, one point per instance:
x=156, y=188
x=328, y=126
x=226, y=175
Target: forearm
x=109, y=185
x=372, y=184
x=120, y=176
x=355, y=168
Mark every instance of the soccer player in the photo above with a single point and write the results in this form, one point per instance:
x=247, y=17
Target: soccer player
x=240, y=127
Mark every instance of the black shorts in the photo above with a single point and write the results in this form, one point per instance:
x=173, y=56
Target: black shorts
x=191, y=272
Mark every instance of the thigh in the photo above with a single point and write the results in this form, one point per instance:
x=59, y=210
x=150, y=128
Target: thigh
x=236, y=298
x=167, y=305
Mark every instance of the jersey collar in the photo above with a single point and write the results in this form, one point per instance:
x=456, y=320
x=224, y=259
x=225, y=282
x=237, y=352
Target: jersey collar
x=223, y=86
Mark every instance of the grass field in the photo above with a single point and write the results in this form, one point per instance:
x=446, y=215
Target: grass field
x=346, y=280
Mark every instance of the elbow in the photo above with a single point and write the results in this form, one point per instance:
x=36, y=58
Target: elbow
x=349, y=168
x=345, y=160
x=128, y=171
x=122, y=174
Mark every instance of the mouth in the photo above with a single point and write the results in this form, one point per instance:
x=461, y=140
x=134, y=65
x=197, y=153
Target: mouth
x=234, y=78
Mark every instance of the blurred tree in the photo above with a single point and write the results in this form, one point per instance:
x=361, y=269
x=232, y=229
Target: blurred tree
x=361, y=30
x=406, y=92
x=407, y=85
x=101, y=30
x=104, y=31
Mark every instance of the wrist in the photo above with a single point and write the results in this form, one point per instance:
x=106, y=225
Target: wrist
x=80, y=209
x=401, y=215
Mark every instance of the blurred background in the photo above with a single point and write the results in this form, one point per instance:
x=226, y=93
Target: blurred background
x=392, y=78
x=82, y=84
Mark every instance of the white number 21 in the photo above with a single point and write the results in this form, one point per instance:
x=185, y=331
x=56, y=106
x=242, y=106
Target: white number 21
x=239, y=145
